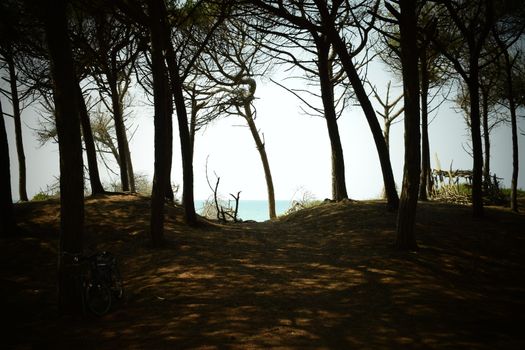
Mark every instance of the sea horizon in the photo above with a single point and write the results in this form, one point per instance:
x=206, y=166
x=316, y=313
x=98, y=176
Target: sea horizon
x=252, y=209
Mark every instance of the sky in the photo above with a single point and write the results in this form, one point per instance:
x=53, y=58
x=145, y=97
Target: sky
x=297, y=145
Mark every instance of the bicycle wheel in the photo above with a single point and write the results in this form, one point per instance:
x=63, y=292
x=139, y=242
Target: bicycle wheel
x=98, y=298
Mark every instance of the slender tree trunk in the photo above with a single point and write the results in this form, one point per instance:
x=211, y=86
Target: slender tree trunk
x=386, y=135
x=514, y=130
x=425, y=186
x=264, y=159
x=405, y=239
x=327, y=96
x=188, y=201
x=486, y=138
x=18, y=131
x=70, y=149
x=384, y=159
x=7, y=217
x=120, y=131
x=91, y=153
x=129, y=168
x=514, y=126
x=193, y=126
x=477, y=150
x=161, y=121
x=170, y=196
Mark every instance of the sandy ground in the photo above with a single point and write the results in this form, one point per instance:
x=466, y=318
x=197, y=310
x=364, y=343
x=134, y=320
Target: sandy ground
x=322, y=278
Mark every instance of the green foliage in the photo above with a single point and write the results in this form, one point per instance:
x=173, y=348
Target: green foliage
x=453, y=193
x=43, y=196
x=462, y=194
x=52, y=191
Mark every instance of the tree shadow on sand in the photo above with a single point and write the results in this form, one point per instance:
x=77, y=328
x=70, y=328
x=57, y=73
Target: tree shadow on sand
x=325, y=277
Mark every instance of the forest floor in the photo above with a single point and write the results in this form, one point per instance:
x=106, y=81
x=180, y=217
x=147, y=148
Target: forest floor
x=321, y=278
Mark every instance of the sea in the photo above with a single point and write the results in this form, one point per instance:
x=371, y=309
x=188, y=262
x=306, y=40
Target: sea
x=252, y=209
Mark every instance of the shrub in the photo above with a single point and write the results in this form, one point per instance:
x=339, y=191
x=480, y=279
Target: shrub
x=42, y=196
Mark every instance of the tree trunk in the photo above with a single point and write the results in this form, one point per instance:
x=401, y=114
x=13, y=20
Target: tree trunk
x=161, y=120
x=188, y=201
x=382, y=151
x=386, y=136
x=7, y=217
x=170, y=196
x=129, y=168
x=193, y=124
x=18, y=131
x=486, y=138
x=514, y=130
x=477, y=150
x=425, y=186
x=264, y=159
x=91, y=153
x=327, y=96
x=70, y=149
x=405, y=237
x=120, y=131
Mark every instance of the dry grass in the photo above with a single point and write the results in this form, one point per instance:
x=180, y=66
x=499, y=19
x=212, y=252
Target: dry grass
x=324, y=278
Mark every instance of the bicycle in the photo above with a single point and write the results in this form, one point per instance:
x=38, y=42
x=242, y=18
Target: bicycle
x=98, y=281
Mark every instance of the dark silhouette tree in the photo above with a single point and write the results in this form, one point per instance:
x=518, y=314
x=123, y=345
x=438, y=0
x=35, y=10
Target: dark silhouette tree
x=162, y=118
x=10, y=33
x=65, y=88
x=508, y=65
x=7, y=217
x=182, y=49
x=460, y=35
x=433, y=75
x=509, y=28
x=322, y=17
x=89, y=143
x=231, y=63
x=312, y=53
x=407, y=19
x=108, y=48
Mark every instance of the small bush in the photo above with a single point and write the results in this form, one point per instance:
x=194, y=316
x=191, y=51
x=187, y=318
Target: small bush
x=454, y=193
x=42, y=196
x=306, y=200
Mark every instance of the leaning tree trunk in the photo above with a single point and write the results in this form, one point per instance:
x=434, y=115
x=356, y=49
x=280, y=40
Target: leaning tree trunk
x=327, y=96
x=70, y=149
x=384, y=159
x=248, y=115
x=7, y=217
x=129, y=168
x=91, y=152
x=405, y=237
x=188, y=201
x=120, y=131
x=161, y=120
x=18, y=131
x=425, y=186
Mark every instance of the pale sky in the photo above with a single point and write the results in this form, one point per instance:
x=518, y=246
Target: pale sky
x=297, y=145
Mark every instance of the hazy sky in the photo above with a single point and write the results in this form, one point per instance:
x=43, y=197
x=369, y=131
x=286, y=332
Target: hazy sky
x=297, y=145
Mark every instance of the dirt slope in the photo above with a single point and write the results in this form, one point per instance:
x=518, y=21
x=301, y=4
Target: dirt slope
x=323, y=278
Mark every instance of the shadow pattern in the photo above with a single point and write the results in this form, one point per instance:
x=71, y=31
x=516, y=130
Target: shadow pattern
x=323, y=278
